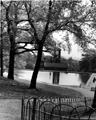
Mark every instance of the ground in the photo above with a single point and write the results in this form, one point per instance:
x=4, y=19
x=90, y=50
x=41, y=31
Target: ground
x=10, y=109
x=12, y=91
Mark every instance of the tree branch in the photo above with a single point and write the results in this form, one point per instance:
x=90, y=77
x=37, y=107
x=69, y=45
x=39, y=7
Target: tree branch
x=23, y=42
x=18, y=21
x=31, y=50
x=17, y=53
x=25, y=50
x=31, y=22
x=48, y=21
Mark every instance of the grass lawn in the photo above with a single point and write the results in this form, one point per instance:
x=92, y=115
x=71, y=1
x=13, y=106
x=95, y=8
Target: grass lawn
x=16, y=90
x=12, y=91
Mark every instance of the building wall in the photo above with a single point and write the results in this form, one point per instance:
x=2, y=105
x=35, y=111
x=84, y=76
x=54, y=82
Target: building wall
x=91, y=83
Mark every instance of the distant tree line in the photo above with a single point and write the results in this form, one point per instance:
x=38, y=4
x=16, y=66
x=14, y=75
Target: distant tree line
x=88, y=61
x=27, y=61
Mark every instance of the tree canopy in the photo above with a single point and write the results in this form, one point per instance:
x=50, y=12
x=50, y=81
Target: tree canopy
x=88, y=62
x=34, y=22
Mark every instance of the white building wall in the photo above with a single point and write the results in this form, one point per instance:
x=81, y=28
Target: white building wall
x=90, y=84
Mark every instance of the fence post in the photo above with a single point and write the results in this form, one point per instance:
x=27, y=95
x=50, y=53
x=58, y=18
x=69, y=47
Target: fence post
x=60, y=108
x=34, y=110
x=44, y=113
x=22, y=105
x=85, y=103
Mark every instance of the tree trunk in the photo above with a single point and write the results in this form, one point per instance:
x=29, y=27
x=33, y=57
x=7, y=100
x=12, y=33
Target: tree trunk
x=37, y=66
x=11, y=64
x=94, y=100
x=1, y=59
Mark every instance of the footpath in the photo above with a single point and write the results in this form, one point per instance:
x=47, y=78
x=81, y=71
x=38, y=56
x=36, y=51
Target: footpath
x=85, y=92
x=10, y=109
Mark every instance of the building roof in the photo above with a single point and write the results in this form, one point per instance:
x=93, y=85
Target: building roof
x=56, y=65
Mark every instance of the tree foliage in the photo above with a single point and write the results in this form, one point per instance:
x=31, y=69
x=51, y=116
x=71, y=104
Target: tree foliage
x=34, y=22
x=30, y=61
x=51, y=16
x=88, y=62
x=12, y=14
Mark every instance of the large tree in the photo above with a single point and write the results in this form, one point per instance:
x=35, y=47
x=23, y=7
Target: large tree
x=52, y=16
x=4, y=44
x=49, y=16
x=11, y=12
x=18, y=34
x=44, y=18
x=1, y=49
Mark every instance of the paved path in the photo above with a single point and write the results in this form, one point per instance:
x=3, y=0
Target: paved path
x=85, y=92
x=10, y=109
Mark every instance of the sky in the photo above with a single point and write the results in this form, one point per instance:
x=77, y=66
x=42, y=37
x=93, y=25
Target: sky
x=76, y=51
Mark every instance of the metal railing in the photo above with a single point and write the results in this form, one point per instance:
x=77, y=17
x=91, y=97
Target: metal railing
x=57, y=108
